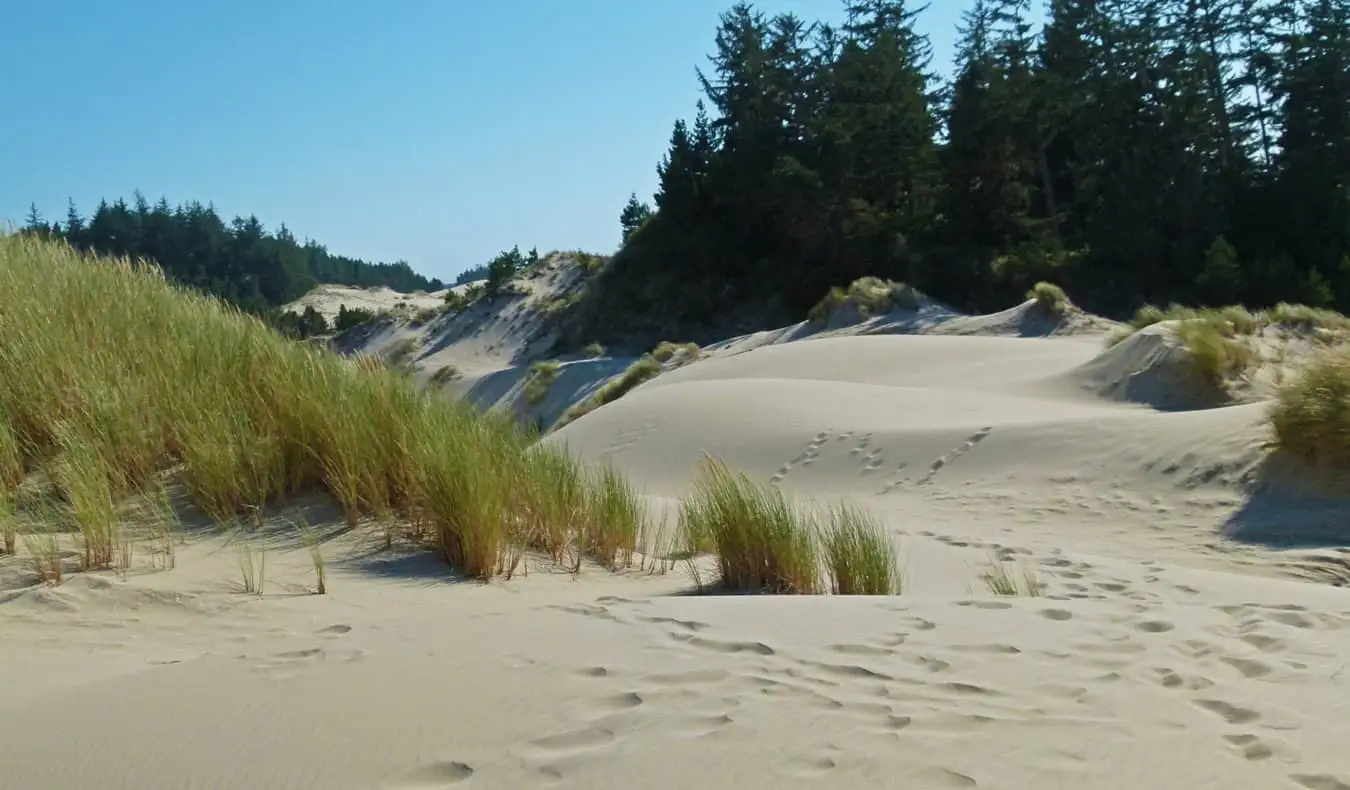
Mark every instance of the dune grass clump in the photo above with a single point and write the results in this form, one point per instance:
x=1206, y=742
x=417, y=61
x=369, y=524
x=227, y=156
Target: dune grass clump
x=110, y=377
x=1300, y=316
x=872, y=295
x=540, y=378
x=1050, y=298
x=1214, y=352
x=444, y=375
x=647, y=367
x=1214, y=338
x=613, y=519
x=667, y=351
x=1311, y=414
x=594, y=350
x=762, y=543
x=859, y=554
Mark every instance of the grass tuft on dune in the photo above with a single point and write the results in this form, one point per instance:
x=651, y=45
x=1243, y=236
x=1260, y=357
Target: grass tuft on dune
x=111, y=376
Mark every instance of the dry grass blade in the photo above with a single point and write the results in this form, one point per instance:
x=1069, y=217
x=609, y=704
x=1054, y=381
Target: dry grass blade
x=44, y=550
x=613, y=519
x=311, y=541
x=252, y=568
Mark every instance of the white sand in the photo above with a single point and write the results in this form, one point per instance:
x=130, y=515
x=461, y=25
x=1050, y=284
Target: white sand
x=1172, y=649
x=327, y=300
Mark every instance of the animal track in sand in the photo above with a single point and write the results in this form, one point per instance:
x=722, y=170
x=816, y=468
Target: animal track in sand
x=720, y=646
x=702, y=726
x=1154, y=626
x=802, y=767
x=1059, y=615
x=334, y=630
x=692, y=677
x=1171, y=679
x=965, y=447
x=862, y=650
x=1253, y=747
x=688, y=625
x=614, y=703
x=1229, y=712
x=571, y=742
x=288, y=664
x=1321, y=781
x=806, y=457
x=854, y=671
x=431, y=776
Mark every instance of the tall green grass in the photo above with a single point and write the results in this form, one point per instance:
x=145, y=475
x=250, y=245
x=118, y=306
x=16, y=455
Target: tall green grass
x=764, y=543
x=110, y=376
x=859, y=554
x=1311, y=414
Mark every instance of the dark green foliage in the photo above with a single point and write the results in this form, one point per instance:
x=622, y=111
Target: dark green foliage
x=241, y=262
x=472, y=274
x=348, y=318
x=1131, y=151
x=633, y=215
x=309, y=323
x=502, y=268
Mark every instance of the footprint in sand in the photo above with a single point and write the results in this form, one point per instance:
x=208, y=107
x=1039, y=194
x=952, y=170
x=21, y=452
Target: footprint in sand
x=1322, y=781
x=1229, y=712
x=1255, y=748
x=701, y=726
x=804, y=767
x=431, y=776
x=568, y=743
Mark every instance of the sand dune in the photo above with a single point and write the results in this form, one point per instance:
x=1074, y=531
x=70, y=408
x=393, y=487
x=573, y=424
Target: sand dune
x=1164, y=651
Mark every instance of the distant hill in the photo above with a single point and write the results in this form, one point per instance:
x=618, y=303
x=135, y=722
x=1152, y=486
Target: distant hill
x=240, y=261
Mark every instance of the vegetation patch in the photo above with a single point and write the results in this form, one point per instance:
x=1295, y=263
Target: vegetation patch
x=540, y=378
x=644, y=369
x=859, y=555
x=1311, y=415
x=444, y=375
x=1050, y=298
x=873, y=296
x=594, y=350
x=764, y=543
x=117, y=378
x=666, y=351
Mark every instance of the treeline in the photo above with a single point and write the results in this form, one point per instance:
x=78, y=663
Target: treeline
x=1132, y=151
x=240, y=261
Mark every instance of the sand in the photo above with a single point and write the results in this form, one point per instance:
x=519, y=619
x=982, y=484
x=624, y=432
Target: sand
x=1189, y=636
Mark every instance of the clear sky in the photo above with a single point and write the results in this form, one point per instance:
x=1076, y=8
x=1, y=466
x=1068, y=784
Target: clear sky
x=434, y=131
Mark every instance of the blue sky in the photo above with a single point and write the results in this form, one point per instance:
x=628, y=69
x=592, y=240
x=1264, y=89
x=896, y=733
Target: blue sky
x=438, y=132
